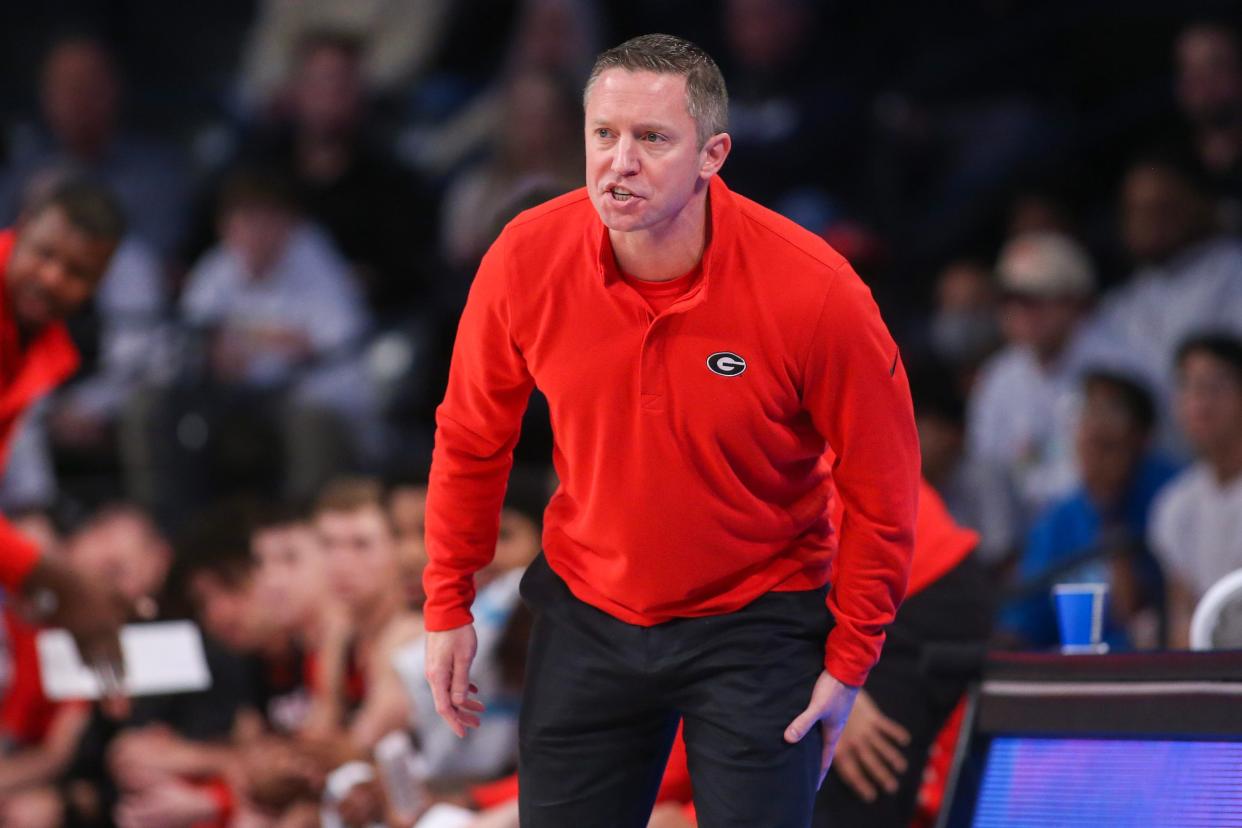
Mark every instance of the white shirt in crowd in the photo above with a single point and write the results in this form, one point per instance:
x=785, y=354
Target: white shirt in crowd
x=310, y=291
x=1023, y=416
x=1160, y=306
x=1196, y=528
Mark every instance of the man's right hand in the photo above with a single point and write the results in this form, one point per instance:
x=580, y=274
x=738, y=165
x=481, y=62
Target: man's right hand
x=93, y=615
x=449, y=656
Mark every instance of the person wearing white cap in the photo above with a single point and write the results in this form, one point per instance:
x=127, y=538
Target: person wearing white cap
x=1023, y=409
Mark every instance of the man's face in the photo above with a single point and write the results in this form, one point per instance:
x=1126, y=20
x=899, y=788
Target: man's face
x=328, y=92
x=1161, y=214
x=1109, y=442
x=643, y=157
x=1209, y=402
x=257, y=235
x=81, y=95
x=1042, y=323
x=361, y=555
x=407, y=508
x=291, y=575
x=54, y=269
x=1209, y=77
x=124, y=551
x=231, y=613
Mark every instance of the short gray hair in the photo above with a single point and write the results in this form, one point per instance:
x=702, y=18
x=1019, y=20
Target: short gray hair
x=707, y=100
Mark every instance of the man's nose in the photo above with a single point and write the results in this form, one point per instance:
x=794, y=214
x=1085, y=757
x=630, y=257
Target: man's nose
x=52, y=274
x=625, y=157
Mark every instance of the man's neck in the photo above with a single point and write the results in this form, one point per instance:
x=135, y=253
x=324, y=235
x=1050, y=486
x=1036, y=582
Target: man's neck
x=663, y=253
x=323, y=157
x=1226, y=464
x=1049, y=358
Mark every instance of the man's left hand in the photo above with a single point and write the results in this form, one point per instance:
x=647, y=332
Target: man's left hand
x=831, y=702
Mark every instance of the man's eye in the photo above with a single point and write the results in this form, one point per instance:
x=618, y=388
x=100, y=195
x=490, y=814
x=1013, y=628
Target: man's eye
x=653, y=137
x=603, y=132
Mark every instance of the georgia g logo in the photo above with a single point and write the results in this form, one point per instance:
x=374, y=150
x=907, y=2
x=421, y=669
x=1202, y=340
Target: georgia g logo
x=726, y=364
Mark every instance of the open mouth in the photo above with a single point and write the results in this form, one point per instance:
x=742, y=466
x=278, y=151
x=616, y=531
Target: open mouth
x=620, y=194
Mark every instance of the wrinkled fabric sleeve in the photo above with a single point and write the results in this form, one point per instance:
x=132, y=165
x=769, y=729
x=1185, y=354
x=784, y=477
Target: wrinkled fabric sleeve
x=477, y=427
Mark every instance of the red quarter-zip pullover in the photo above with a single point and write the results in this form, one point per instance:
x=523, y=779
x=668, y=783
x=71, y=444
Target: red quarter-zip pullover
x=25, y=375
x=690, y=443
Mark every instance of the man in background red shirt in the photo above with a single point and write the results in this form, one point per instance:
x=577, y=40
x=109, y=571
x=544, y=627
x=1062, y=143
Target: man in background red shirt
x=50, y=265
x=701, y=356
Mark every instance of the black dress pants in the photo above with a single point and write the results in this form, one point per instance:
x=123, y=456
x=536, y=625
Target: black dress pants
x=603, y=698
x=956, y=609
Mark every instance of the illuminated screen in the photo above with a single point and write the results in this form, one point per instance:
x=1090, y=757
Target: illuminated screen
x=1110, y=782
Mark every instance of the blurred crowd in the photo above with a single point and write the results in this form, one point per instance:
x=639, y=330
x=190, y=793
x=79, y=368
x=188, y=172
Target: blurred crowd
x=1045, y=199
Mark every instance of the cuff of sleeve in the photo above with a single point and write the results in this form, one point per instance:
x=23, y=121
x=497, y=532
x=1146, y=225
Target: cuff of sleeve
x=18, y=557
x=849, y=659
x=450, y=618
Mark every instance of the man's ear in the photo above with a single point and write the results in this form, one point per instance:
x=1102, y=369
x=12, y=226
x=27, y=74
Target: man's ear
x=714, y=153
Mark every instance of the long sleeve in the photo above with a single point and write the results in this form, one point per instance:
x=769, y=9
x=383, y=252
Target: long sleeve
x=856, y=392
x=477, y=427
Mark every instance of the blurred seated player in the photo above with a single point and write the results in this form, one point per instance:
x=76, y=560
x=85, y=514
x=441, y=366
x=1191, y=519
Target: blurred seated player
x=278, y=778
x=176, y=761
x=1196, y=528
x=358, y=695
x=292, y=578
x=1098, y=532
x=119, y=547
x=502, y=624
x=407, y=509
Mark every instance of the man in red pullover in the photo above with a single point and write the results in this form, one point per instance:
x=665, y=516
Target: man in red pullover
x=701, y=357
x=50, y=265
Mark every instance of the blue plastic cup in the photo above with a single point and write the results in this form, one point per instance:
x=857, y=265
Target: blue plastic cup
x=1080, y=617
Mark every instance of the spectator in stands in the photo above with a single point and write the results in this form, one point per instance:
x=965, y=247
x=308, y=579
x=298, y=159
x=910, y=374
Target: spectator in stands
x=398, y=43
x=80, y=96
x=793, y=123
x=1208, y=58
x=282, y=325
x=1097, y=533
x=978, y=492
x=1024, y=405
x=537, y=141
x=380, y=216
x=1189, y=276
x=1196, y=529
x=963, y=328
